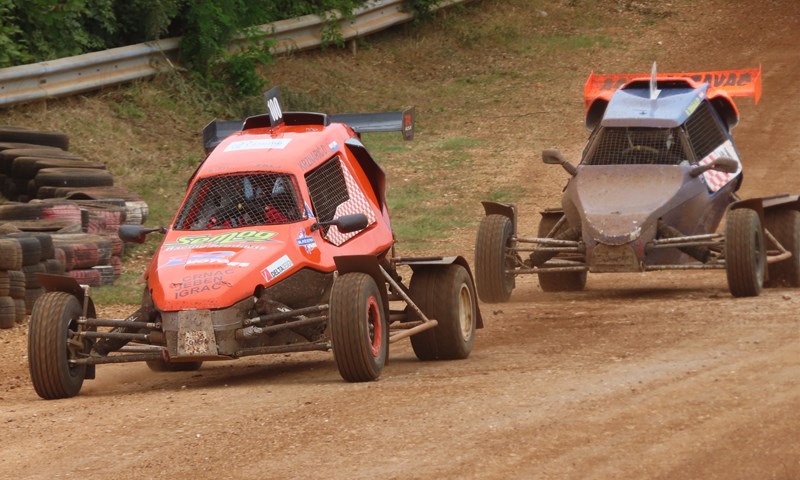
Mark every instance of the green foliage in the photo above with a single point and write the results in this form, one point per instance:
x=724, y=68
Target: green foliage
x=144, y=20
x=35, y=30
x=422, y=8
x=219, y=44
x=212, y=26
x=11, y=52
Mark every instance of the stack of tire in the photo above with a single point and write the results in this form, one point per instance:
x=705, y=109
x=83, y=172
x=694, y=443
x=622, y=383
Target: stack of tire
x=136, y=209
x=31, y=159
x=44, y=216
x=67, y=199
x=22, y=256
x=91, y=259
x=82, y=235
x=36, y=165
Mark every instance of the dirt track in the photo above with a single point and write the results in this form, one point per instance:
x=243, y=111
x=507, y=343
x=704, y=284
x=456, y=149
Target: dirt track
x=641, y=376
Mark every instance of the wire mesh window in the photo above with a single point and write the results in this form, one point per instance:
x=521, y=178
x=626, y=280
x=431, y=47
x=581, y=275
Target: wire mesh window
x=233, y=201
x=637, y=145
x=328, y=189
x=704, y=131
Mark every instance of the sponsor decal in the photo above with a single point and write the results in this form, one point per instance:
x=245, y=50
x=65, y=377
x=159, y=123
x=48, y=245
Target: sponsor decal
x=733, y=78
x=208, y=258
x=218, y=255
x=225, y=238
x=724, y=79
x=333, y=146
x=262, y=144
x=305, y=241
x=277, y=268
x=693, y=106
x=211, y=261
x=177, y=248
x=206, y=282
x=175, y=261
x=315, y=156
x=309, y=212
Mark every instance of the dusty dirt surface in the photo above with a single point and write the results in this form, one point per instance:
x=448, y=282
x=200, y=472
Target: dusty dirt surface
x=640, y=376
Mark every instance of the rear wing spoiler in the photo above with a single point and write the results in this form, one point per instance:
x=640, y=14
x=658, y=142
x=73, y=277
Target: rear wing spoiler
x=217, y=130
x=735, y=83
x=402, y=121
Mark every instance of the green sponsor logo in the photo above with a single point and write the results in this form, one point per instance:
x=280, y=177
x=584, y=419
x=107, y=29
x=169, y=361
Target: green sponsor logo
x=693, y=106
x=225, y=238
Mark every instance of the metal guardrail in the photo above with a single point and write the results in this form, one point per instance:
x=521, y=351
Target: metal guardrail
x=91, y=71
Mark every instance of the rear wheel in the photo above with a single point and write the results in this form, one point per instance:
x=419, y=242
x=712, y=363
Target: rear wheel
x=359, y=329
x=448, y=296
x=51, y=346
x=560, y=281
x=784, y=225
x=745, y=255
x=493, y=259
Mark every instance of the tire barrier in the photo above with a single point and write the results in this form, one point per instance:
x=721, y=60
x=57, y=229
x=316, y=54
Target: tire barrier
x=59, y=214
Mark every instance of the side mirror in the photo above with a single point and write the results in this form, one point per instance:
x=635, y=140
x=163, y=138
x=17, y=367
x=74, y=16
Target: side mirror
x=137, y=233
x=722, y=164
x=346, y=223
x=554, y=157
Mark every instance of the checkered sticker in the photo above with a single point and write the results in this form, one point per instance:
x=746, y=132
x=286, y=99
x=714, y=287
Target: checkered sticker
x=714, y=179
x=357, y=203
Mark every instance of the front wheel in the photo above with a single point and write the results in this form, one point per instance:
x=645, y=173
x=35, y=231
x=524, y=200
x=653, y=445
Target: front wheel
x=448, y=296
x=745, y=256
x=493, y=259
x=52, y=344
x=359, y=329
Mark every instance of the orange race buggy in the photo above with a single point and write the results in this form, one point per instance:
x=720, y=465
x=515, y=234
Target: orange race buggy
x=282, y=244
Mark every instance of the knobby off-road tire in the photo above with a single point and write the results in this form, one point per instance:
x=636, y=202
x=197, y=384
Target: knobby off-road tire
x=560, y=281
x=359, y=329
x=784, y=225
x=745, y=255
x=53, y=316
x=162, y=366
x=54, y=139
x=448, y=296
x=492, y=259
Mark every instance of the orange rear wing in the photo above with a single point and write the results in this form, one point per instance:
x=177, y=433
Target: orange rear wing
x=736, y=83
